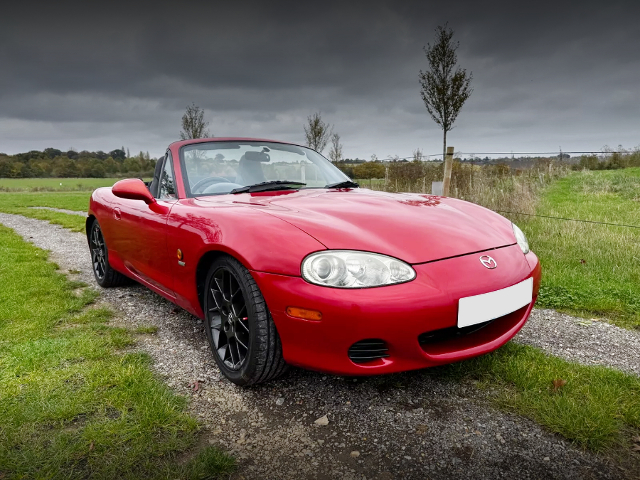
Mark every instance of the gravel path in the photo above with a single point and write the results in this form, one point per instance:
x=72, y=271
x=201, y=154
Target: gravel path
x=590, y=342
x=62, y=210
x=414, y=425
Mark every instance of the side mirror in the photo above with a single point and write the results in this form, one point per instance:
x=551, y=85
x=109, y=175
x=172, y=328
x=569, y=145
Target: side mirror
x=133, y=189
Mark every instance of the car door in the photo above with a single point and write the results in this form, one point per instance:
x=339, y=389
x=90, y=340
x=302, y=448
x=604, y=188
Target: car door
x=142, y=244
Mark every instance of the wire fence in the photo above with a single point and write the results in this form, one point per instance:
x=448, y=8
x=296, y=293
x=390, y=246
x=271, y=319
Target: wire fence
x=557, y=153
x=570, y=219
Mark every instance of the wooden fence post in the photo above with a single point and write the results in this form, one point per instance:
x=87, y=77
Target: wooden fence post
x=448, y=165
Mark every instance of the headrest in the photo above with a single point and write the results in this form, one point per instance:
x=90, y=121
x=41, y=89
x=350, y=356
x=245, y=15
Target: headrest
x=257, y=156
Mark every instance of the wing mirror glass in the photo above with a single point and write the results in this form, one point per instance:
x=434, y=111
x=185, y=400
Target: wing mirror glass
x=133, y=189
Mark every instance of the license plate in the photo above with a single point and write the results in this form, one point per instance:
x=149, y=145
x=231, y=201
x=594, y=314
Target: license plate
x=488, y=306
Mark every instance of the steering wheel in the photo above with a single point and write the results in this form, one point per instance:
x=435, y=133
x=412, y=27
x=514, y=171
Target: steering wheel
x=205, y=182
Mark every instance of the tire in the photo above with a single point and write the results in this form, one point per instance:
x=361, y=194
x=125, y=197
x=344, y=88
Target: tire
x=238, y=322
x=105, y=275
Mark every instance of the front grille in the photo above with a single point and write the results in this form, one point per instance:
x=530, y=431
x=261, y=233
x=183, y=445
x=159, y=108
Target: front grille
x=368, y=350
x=444, y=334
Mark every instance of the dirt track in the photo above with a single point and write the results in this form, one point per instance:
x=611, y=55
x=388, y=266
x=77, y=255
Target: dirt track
x=413, y=425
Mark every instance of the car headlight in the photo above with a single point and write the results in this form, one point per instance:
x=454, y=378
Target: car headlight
x=521, y=239
x=353, y=269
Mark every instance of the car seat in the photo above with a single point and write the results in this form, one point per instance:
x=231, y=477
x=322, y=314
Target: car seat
x=249, y=172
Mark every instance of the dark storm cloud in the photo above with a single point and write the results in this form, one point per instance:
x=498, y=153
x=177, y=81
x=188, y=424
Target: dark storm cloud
x=123, y=73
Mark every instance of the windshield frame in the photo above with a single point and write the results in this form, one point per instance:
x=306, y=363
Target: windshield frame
x=185, y=175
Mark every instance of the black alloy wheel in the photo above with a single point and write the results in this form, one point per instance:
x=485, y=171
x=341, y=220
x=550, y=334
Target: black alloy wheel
x=229, y=322
x=105, y=275
x=241, y=333
x=98, y=252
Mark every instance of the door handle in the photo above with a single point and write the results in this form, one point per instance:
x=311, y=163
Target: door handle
x=117, y=214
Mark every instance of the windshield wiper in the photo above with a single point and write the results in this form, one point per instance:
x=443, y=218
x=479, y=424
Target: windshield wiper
x=343, y=184
x=266, y=186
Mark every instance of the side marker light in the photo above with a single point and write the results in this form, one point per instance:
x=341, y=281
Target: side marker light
x=304, y=314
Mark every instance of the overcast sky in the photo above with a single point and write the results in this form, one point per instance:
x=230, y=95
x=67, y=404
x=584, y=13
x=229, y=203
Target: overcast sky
x=545, y=75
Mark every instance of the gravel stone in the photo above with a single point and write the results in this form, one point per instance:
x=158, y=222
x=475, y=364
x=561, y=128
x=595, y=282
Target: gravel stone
x=413, y=424
x=590, y=342
x=322, y=421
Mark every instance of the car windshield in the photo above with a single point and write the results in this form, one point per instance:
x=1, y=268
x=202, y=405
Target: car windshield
x=214, y=168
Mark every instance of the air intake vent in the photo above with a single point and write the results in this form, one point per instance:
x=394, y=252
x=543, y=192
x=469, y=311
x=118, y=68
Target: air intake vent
x=368, y=350
x=442, y=335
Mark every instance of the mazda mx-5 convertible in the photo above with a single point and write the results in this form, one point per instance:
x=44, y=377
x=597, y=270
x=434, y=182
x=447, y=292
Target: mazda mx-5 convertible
x=288, y=262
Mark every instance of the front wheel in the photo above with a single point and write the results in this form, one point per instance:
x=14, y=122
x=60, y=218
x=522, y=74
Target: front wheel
x=241, y=333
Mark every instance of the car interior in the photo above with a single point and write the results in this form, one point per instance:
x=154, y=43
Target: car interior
x=154, y=185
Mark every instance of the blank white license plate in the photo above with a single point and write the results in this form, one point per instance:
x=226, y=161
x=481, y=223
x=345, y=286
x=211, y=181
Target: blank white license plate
x=485, y=307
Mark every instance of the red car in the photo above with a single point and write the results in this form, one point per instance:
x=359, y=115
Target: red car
x=289, y=262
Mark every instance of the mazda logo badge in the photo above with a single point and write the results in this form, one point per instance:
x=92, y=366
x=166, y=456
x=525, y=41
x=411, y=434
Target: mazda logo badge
x=488, y=262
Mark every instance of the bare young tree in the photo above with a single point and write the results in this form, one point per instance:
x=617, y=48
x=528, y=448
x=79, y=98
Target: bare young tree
x=335, y=154
x=193, y=124
x=445, y=87
x=417, y=155
x=317, y=132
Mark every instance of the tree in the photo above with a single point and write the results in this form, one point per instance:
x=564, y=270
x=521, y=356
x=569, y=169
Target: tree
x=317, y=132
x=335, y=154
x=445, y=87
x=118, y=154
x=193, y=124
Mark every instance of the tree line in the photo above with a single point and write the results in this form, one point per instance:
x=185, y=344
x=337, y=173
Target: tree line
x=52, y=162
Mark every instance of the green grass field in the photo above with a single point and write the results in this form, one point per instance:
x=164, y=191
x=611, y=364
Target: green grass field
x=54, y=184
x=588, y=269
x=73, y=403
x=19, y=203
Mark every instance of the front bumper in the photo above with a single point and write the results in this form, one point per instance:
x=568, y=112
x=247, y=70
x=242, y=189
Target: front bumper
x=403, y=316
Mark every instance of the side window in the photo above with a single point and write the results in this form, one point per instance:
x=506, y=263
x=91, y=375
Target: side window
x=167, y=189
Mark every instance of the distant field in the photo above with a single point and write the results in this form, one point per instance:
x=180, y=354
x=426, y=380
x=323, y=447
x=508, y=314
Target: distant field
x=54, y=184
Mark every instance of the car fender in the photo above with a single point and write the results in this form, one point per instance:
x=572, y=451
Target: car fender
x=261, y=242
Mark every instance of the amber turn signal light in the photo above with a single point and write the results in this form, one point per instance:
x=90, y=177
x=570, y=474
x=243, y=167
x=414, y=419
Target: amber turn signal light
x=179, y=253
x=303, y=313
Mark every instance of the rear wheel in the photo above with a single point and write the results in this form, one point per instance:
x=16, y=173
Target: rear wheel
x=102, y=271
x=242, y=335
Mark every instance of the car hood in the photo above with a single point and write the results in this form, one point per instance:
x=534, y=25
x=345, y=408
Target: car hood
x=413, y=228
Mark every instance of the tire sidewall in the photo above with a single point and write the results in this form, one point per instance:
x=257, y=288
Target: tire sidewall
x=255, y=315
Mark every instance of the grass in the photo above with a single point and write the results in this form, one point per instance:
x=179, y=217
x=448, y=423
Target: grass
x=149, y=330
x=497, y=187
x=73, y=403
x=588, y=269
x=19, y=203
x=598, y=408
x=54, y=184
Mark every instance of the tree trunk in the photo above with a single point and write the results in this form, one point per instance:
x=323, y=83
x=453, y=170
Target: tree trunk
x=444, y=144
